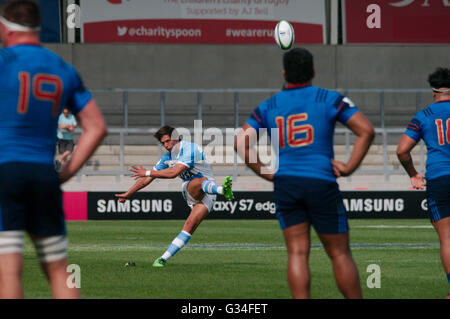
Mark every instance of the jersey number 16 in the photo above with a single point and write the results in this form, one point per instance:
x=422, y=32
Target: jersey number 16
x=441, y=130
x=289, y=128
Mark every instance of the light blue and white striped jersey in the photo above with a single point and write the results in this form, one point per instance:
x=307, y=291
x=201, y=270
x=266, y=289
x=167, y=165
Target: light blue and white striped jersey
x=191, y=155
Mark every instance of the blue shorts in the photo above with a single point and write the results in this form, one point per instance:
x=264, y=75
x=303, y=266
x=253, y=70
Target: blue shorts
x=319, y=202
x=31, y=199
x=438, y=197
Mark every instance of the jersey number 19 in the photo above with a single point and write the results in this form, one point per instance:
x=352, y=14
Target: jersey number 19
x=35, y=86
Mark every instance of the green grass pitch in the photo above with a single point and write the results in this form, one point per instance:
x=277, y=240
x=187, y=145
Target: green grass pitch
x=239, y=259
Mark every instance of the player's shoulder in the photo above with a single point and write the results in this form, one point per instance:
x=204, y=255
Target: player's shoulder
x=189, y=147
x=38, y=53
x=191, y=152
x=165, y=157
x=59, y=61
x=436, y=108
x=269, y=103
x=323, y=95
x=272, y=102
x=423, y=114
x=51, y=56
x=331, y=96
x=7, y=56
x=415, y=124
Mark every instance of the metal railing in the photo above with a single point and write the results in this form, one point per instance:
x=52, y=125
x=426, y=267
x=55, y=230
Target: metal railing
x=382, y=94
x=126, y=130
x=236, y=94
x=235, y=172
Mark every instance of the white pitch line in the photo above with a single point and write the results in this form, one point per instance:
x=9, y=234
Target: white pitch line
x=230, y=246
x=394, y=226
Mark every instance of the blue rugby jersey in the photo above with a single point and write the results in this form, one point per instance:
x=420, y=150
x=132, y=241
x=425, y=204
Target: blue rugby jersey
x=192, y=156
x=35, y=86
x=432, y=124
x=304, y=117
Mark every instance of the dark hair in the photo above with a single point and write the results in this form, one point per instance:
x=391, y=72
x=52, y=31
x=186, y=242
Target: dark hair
x=23, y=12
x=166, y=130
x=440, y=78
x=298, y=65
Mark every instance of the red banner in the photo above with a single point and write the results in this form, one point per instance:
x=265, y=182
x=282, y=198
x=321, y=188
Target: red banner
x=196, y=31
x=194, y=21
x=75, y=205
x=396, y=21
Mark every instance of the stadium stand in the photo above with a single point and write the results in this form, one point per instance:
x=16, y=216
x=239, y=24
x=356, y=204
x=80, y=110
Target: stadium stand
x=382, y=89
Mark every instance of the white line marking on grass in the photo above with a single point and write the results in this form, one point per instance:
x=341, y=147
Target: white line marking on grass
x=387, y=246
x=393, y=226
x=230, y=246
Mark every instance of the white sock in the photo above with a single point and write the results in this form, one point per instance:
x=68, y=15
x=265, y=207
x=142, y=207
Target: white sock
x=179, y=242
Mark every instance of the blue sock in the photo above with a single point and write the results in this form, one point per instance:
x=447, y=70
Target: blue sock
x=448, y=278
x=211, y=188
x=179, y=242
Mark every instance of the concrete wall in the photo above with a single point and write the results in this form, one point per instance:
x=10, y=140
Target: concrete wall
x=388, y=66
x=246, y=66
x=249, y=66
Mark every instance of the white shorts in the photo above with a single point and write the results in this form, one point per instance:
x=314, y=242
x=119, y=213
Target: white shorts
x=208, y=200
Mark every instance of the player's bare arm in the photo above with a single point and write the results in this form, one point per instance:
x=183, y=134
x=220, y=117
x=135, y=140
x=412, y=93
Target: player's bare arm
x=140, y=184
x=167, y=173
x=244, y=146
x=94, y=130
x=365, y=134
x=404, y=149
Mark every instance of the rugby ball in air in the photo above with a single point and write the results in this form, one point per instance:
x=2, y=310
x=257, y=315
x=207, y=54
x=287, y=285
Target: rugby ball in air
x=284, y=35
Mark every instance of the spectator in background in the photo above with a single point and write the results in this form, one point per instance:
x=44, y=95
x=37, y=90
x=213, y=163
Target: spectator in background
x=66, y=126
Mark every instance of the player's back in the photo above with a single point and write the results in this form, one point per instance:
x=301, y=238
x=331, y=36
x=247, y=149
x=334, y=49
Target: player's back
x=305, y=118
x=435, y=126
x=34, y=87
